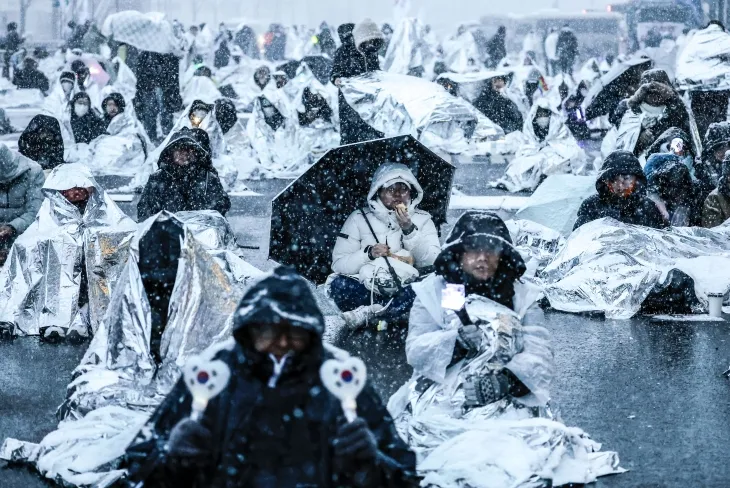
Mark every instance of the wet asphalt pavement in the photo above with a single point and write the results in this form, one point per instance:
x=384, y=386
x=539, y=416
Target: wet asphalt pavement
x=651, y=391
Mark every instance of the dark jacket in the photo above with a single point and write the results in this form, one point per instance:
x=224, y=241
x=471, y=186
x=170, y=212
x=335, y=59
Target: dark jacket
x=21, y=195
x=12, y=42
x=46, y=151
x=482, y=230
x=636, y=209
x=28, y=78
x=160, y=70
x=272, y=436
x=500, y=110
x=176, y=189
x=663, y=142
x=496, y=47
x=707, y=170
x=89, y=126
x=567, y=47
x=672, y=183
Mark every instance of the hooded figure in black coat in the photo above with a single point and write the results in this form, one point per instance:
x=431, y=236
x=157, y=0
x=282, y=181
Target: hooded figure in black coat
x=186, y=179
x=85, y=123
x=30, y=77
x=497, y=107
x=357, y=55
x=496, y=48
x=709, y=169
x=113, y=105
x=42, y=141
x=274, y=424
x=621, y=187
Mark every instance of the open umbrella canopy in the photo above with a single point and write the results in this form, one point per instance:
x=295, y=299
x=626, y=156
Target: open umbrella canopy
x=307, y=215
x=321, y=67
x=607, y=91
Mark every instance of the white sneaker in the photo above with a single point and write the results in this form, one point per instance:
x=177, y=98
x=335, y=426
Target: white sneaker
x=360, y=316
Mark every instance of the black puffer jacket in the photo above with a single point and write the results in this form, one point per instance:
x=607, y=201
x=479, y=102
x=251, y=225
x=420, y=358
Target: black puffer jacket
x=282, y=434
x=350, y=62
x=500, y=110
x=42, y=141
x=193, y=187
x=636, y=209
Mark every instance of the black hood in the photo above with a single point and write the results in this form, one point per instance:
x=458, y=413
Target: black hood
x=199, y=104
x=718, y=133
x=673, y=183
x=225, y=114
x=345, y=33
x=48, y=154
x=191, y=138
x=619, y=163
x=281, y=297
x=118, y=100
x=656, y=74
x=482, y=230
x=661, y=145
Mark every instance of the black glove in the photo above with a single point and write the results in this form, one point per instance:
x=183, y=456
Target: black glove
x=356, y=440
x=470, y=338
x=190, y=442
x=485, y=389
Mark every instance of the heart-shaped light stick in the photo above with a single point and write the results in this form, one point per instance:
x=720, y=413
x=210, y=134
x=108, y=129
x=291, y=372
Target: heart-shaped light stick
x=345, y=378
x=205, y=379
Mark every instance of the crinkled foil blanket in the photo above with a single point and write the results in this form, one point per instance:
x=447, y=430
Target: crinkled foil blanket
x=505, y=443
x=118, y=384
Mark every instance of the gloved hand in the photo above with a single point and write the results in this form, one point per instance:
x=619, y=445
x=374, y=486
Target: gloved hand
x=485, y=389
x=190, y=442
x=355, y=440
x=470, y=338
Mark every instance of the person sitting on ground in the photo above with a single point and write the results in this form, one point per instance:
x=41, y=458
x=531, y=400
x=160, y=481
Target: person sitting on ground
x=226, y=114
x=86, y=125
x=42, y=142
x=30, y=77
x=708, y=169
x=716, y=209
x=281, y=79
x=654, y=108
x=186, y=179
x=315, y=107
x=673, y=191
x=290, y=430
x=389, y=236
x=198, y=112
x=21, y=182
x=113, y=105
x=493, y=103
x=673, y=145
x=621, y=187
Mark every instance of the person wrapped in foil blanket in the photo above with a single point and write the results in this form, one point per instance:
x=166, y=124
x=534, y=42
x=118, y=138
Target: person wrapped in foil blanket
x=547, y=148
x=124, y=374
x=43, y=284
x=477, y=410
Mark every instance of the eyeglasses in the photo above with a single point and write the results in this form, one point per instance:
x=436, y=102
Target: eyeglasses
x=271, y=332
x=397, y=189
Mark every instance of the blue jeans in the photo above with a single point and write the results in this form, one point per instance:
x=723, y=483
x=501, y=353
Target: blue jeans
x=349, y=294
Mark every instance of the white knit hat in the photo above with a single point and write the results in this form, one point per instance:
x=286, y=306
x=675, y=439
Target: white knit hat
x=367, y=30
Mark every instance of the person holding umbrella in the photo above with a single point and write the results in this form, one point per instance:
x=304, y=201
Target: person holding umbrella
x=381, y=248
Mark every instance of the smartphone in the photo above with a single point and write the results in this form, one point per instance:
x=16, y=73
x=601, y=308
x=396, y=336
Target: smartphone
x=453, y=297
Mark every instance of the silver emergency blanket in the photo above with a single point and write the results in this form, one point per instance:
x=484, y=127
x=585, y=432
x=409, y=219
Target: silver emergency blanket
x=514, y=442
x=704, y=63
x=120, y=152
x=398, y=104
x=149, y=32
x=558, y=153
x=409, y=49
x=461, y=53
x=222, y=160
x=39, y=284
x=118, y=385
x=611, y=267
x=291, y=149
x=536, y=243
x=616, y=70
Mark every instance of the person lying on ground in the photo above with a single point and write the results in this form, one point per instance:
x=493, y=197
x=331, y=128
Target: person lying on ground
x=275, y=424
x=186, y=178
x=717, y=205
x=381, y=248
x=621, y=187
x=21, y=181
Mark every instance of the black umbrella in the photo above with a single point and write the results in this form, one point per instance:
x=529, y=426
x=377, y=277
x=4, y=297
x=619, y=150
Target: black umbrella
x=307, y=216
x=321, y=67
x=610, y=89
x=290, y=68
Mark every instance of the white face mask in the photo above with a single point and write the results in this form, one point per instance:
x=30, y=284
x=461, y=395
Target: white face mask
x=543, y=122
x=81, y=109
x=651, y=110
x=66, y=86
x=584, y=92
